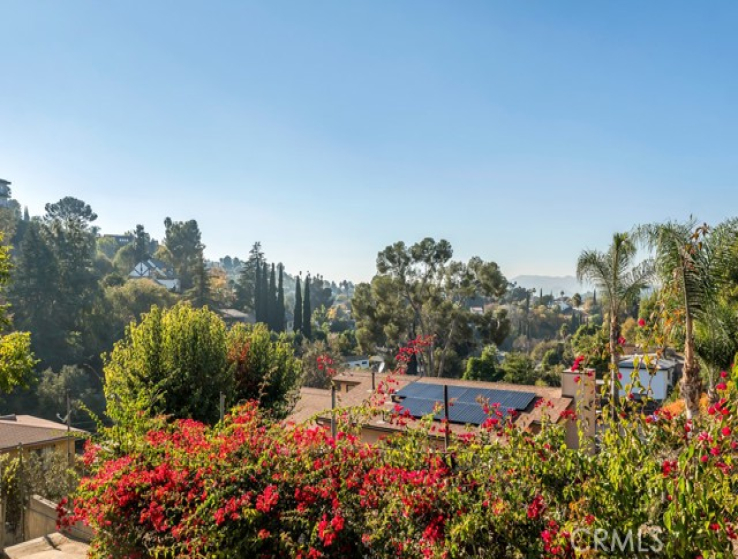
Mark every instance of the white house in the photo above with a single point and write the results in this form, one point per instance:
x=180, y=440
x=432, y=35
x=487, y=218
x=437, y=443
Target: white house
x=357, y=362
x=158, y=271
x=655, y=376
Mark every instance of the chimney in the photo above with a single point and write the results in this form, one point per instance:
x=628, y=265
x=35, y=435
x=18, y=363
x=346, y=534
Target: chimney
x=581, y=387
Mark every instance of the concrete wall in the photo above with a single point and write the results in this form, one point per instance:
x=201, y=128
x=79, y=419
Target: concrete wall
x=41, y=520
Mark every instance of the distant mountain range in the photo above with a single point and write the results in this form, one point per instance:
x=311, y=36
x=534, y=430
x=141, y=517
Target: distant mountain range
x=552, y=284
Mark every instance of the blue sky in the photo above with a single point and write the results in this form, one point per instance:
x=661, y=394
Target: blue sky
x=522, y=132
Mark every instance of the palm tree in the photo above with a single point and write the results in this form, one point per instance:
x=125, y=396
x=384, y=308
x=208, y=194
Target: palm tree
x=690, y=260
x=615, y=274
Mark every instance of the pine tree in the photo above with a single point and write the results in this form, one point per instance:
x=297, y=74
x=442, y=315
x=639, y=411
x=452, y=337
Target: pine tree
x=307, y=312
x=272, y=299
x=280, y=300
x=26, y=216
x=594, y=297
x=257, y=294
x=249, y=280
x=297, y=324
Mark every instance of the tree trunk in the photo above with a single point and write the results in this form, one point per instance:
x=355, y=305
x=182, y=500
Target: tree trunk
x=691, y=383
x=445, y=349
x=614, y=332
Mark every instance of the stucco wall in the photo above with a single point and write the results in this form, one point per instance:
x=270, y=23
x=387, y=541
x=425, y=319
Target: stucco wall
x=41, y=520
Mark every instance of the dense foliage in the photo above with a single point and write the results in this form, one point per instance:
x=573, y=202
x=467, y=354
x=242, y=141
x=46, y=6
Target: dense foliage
x=180, y=362
x=250, y=487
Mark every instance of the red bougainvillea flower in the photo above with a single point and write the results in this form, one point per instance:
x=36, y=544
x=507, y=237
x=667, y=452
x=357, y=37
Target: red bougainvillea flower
x=641, y=322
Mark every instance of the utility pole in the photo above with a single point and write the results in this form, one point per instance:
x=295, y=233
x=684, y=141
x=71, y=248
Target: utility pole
x=333, y=410
x=446, y=441
x=69, y=430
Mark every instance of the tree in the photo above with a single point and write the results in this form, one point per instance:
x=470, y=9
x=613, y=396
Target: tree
x=57, y=283
x=257, y=302
x=616, y=274
x=280, y=301
x=690, y=260
x=71, y=211
x=307, y=312
x=173, y=362
x=249, y=281
x=264, y=370
x=264, y=294
x=16, y=357
x=297, y=322
x=273, y=299
x=200, y=294
x=419, y=289
x=321, y=293
x=519, y=369
x=576, y=300
x=183, y=240
x=141, y=244
x=128, y=303
x=53, y=388
x=485, y=368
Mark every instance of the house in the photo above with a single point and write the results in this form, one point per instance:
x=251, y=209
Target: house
x=419, y=396
x=120, y=240
x=156, y=270
x=234, y=316
x=357, y=362
x=655, y=374
x=34, y=433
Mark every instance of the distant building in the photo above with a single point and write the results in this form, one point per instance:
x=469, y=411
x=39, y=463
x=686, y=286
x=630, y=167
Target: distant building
x=357, y=362
x=234, y=316
x=158, y=271
x=416, y=396
x=656, y=376
x=120, y=240
x=33, y=433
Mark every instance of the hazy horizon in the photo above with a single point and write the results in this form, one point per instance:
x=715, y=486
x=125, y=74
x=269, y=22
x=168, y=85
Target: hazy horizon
x=521, y=132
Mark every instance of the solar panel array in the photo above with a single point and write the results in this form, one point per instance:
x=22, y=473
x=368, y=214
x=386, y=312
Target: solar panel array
x=465, y=403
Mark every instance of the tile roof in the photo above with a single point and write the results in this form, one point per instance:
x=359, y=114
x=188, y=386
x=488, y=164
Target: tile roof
x=317, y=402
x=28, y=430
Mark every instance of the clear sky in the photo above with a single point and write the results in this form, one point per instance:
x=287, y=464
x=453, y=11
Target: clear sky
x=522, y=132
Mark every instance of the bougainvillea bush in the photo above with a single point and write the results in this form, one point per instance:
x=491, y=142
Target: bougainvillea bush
x=252, y=487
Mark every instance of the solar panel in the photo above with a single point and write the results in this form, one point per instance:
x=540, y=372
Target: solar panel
x=457, y=412
x=507, y=399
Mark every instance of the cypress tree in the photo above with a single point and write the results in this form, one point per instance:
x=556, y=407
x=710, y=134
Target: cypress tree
x=307, y=312
x=280, y=300
x=264, y=294
x=297, y=324
x=272, y=299
x=594, y=297
x=257, y=294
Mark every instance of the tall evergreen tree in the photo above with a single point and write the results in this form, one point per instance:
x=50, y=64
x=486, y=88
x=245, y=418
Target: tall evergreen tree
x=307, y=312
x=200, y=294
x=249, y=280
x=257, y=293
x=264, y=293
x=273, y=299
x=280, y=300
x=297, y=323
